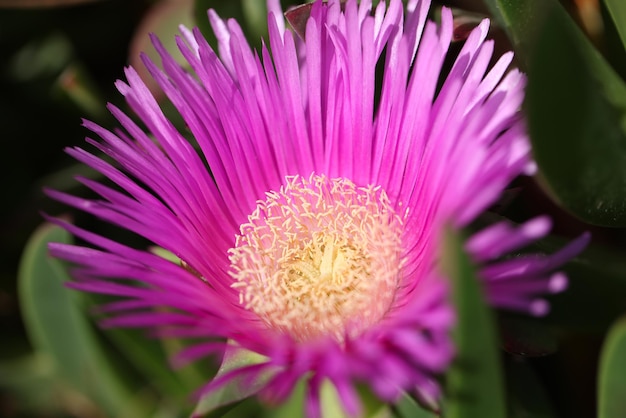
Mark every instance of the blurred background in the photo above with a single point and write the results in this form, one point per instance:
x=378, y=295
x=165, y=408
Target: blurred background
x=59, y=60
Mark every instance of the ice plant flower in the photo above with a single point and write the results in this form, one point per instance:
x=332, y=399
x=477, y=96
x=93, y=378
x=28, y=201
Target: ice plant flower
x=308, y=208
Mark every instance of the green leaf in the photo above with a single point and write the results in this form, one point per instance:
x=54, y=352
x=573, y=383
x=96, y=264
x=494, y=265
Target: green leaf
x=612, y=373
x=577, y=130
x=149, y=358
x=613, y=46
x=330, y=403
x=255, y=14
x=407, y=407
x=332, y=406
x=617, y=10
x=293, y=406
x=152, y=360
x=518, y=17
x=576, y=106
x=217, y=402
x=474, y=382
x=58, y=329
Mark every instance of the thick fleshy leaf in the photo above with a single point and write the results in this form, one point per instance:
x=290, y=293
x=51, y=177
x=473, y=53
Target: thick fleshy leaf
x=612, y=374
x=617, y=10
x=576, y=106
x=612, y=33
x=58, y=328
x=293, y=406
x=516, y=17
x=255, y=13
x=330, y=403
x=407, y=407
x=150, y=359
x=218, y=401
x=474, y=382
x=578, y=134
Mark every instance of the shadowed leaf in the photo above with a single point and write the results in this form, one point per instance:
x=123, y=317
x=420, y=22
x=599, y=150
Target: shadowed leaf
x=576, y=107
x=474, y=382
x=617, y=10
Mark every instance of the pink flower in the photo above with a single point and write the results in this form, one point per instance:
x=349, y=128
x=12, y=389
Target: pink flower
x=312, y=238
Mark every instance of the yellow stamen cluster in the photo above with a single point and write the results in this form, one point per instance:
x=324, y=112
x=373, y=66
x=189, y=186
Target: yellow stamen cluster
x=319, y=257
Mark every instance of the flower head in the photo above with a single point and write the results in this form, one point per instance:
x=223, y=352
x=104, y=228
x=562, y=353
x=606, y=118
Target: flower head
x=313, y=236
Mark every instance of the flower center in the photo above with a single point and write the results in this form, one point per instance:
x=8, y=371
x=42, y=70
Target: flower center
x=319, y=257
